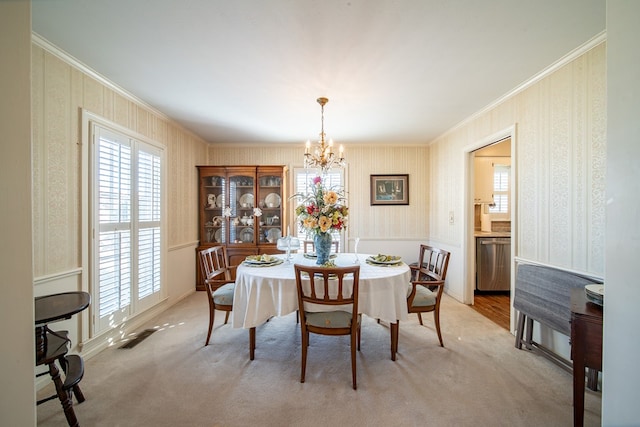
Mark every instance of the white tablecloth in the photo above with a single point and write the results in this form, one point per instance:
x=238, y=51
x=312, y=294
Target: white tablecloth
x=264, y=292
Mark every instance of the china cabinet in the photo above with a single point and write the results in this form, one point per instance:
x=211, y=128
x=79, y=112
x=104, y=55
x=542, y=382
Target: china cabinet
x=242, y=208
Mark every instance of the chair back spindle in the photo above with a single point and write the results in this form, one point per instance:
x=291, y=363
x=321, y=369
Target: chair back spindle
x=427, y=284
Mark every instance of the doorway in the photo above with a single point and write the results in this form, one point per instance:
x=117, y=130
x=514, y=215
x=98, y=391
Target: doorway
x=490, y=226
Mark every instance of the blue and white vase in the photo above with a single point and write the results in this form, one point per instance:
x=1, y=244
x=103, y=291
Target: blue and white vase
x=322, y=243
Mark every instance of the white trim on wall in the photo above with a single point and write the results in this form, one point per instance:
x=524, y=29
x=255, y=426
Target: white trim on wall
x=70, y=60
x=468, y=240
x=574, y=54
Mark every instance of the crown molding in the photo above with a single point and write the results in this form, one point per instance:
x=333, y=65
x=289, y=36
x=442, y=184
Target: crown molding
x=574, y=54
x=38, y=40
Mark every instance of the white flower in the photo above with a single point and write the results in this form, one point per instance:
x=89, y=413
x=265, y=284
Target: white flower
x=257, y=212
x=227, y=211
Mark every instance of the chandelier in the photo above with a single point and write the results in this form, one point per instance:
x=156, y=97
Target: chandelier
x=322, y=155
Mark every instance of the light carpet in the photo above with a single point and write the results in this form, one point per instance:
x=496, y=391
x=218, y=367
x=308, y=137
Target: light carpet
x=171, y=379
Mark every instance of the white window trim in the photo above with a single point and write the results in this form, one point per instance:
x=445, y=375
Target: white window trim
x=87, y=209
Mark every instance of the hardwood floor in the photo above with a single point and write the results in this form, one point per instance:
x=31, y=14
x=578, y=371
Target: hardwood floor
x=495, y=306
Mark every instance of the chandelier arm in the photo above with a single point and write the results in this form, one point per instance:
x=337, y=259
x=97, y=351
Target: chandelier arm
x=323, y=155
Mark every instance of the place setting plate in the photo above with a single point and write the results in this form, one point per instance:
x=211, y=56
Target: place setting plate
x=384, y=260
x=595, y=293
x=263, y=260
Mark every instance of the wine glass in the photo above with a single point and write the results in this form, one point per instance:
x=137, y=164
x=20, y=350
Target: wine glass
x=355, y=250
x=287, y=243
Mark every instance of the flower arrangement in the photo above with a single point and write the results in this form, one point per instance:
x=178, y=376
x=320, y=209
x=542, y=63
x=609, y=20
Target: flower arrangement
x=322, y=210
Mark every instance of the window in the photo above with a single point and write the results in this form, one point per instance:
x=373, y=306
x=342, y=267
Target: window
x=301, y=182
x=500, y=190
x=127, y=224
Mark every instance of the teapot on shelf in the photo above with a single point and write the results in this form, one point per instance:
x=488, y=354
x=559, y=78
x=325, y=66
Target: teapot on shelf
x=244, y=219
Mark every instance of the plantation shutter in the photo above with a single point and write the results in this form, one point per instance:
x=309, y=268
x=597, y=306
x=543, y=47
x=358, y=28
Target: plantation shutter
x=303, y=181
x=114, y=228
x=127, y=217
x=500, y=190
x=148, y=223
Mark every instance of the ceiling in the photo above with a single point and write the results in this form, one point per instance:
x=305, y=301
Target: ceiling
x=249, y=71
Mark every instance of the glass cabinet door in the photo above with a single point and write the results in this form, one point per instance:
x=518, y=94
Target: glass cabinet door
x=241, y=201
x=270, y=202
x=213, y=188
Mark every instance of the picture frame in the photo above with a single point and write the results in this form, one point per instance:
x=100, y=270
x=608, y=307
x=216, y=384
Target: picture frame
x=389, y=190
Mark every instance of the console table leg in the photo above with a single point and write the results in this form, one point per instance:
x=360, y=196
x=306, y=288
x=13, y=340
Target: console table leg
x=578, y=393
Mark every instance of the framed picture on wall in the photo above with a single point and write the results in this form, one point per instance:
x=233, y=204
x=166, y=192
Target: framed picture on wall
x=389, y=190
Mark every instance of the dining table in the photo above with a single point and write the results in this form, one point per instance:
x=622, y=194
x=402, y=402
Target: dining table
x=262, y=292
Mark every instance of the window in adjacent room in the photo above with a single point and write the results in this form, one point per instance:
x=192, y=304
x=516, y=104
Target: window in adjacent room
x=501, y=178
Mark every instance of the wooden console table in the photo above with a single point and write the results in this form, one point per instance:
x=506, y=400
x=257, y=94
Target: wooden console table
x=586, y=346
x=52, y=346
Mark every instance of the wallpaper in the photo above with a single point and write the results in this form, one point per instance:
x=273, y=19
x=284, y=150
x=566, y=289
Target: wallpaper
x=365, y=221
x=59, y=93
x=560, y=166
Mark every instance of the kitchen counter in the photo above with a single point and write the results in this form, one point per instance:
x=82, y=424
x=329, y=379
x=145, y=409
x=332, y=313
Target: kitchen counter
x=492, y=234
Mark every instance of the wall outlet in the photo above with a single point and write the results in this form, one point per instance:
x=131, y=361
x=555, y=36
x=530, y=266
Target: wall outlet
x=450, y=217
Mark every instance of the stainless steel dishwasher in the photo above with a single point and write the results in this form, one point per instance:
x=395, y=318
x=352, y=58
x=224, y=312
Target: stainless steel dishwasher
x=493, y=263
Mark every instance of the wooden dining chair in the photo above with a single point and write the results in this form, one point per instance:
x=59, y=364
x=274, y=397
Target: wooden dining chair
x=328, y=288
x=219, y=281
x=427, y=284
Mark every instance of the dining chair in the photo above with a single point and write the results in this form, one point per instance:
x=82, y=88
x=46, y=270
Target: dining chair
x=219, y=281
x=427, y=284
x=331, y=290
x=309, y=246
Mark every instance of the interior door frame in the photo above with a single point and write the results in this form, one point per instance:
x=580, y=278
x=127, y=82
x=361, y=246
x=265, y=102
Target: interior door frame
x=468, y=241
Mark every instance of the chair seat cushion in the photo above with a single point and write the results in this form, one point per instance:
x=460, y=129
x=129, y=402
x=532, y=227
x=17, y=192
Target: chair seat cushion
x=329, y=319
x=224, y=294
x=423, y=298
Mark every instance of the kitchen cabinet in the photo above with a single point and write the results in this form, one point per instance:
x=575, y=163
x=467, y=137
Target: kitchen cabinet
x=484, y=168
x=483, y=177
x=227, y=198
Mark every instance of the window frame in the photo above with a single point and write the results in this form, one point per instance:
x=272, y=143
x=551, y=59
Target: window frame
x=309, y=174
x=141, y=147
x=499, y=168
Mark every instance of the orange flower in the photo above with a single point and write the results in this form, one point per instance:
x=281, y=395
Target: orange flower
x=310, y=223
x=330, y=197
x=325, y=223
